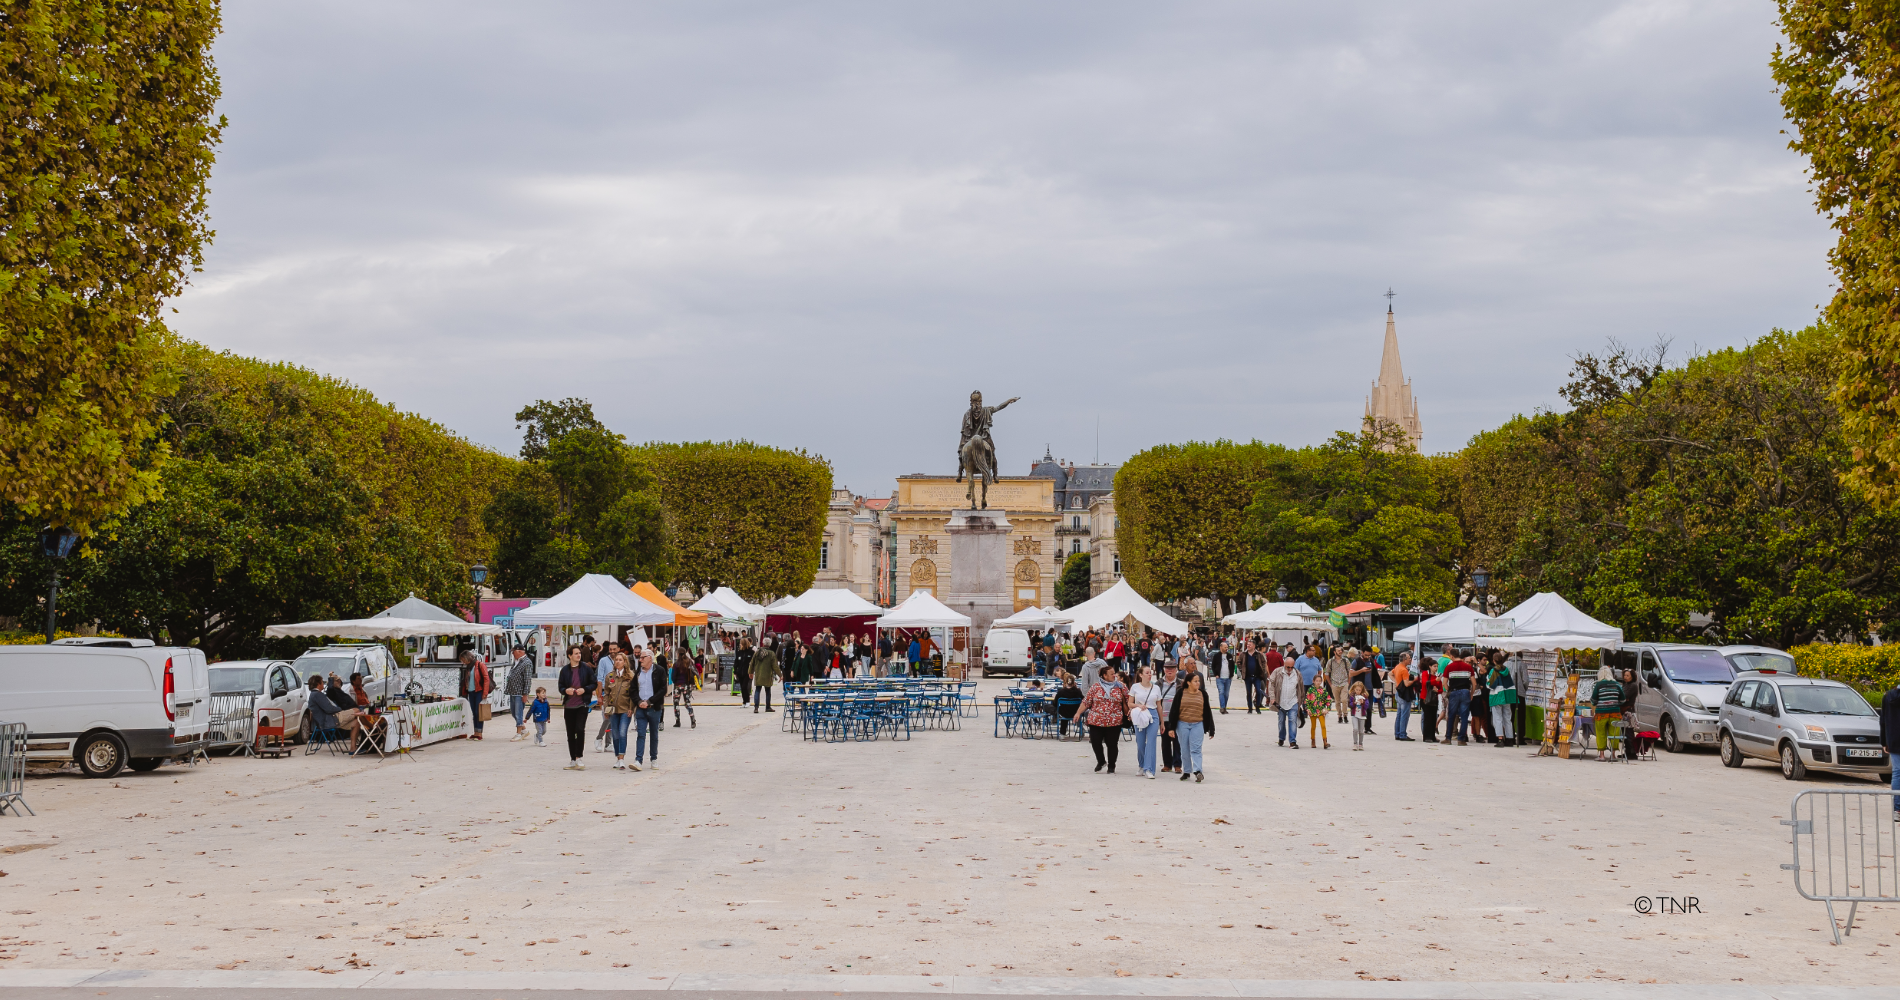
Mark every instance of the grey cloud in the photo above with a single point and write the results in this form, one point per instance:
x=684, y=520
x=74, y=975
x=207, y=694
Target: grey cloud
x=820, y=226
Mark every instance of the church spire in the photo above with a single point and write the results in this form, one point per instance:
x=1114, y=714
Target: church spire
x=1391, y=399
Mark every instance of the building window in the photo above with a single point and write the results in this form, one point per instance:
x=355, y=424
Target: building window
x=1118, y=564
x=1075, y=546
x=824, y=555
x=1075, y=501
x=1076, y=522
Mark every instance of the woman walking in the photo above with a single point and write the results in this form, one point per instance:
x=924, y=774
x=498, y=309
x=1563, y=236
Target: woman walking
x=616, y=703
x=577, y=686
x=1190, y=722
x=1319, y=698
x=1338, y=674
x=1144, y=703
x=477, y=685
x=1104, y=708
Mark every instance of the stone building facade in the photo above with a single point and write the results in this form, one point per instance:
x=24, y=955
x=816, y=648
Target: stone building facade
x=917, y=518
x=1105, y=560
x=852, y=554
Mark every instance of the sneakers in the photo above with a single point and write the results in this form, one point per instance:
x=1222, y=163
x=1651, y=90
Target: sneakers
x=539, y=743
x=692, y=722
x=576, y=766
x=1185, y=775
x=519, y=737
x=620, y=765
x=633, y=767
x=1098, y=767
x=1151, y=777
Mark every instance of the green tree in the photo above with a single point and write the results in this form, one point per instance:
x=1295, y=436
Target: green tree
x=107, y=150
x=743, y=515
x=1839, y=77
x=1361, y=513
x=1072, y=587
x=1182, y=511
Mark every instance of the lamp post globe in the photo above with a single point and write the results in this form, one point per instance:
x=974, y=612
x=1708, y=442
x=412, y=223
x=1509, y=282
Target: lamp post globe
x=478, y=574
x=1322, y=590
x=57, y=544
x=1281, y=593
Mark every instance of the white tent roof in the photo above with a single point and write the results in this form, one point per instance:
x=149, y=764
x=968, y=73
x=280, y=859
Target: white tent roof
x=382, y=628
x=781, y=602
x=1452, y=626
x=594, y=599
x=920, y=610
x=1547, y=621
x=726, y=603
x=1117, y=603
x=1283, y=617
x=415, y=607
x=831, y=602
x=1033, y=617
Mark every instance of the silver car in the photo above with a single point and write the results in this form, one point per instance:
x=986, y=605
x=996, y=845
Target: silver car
x=1804, y=723
x=1681, y=691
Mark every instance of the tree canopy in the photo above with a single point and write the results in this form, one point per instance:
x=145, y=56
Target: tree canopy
x=743, y=515
x=108, y=145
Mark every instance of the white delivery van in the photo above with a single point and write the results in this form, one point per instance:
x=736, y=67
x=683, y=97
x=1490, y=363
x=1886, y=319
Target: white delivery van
x=107, y=704
x=1006, y=651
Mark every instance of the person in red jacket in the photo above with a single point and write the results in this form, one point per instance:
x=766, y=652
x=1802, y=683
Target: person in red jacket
x=1430, y=686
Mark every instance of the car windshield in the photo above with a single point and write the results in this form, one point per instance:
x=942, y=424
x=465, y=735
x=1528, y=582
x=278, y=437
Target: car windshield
x=1696, y=666
x=1823, y=699
x=324, y=666
x=1778, y=662
x=239, y=679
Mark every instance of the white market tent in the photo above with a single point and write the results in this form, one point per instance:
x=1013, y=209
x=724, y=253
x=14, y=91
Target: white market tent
x=382, y=628
x=831, y=602
x=781, y=602
x=1285, y=616
x=1033, y=617
x=920, y=610
x=726, y=603
x=1119, y=602
x=1452, y=626
x=594, y=599
x=1547, y=621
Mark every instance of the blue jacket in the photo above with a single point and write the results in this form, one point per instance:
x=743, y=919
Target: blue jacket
x=541, y=709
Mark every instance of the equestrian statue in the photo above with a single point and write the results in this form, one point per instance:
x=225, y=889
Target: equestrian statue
x=976, y=453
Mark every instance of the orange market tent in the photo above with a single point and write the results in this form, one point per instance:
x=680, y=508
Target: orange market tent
x=681, y=616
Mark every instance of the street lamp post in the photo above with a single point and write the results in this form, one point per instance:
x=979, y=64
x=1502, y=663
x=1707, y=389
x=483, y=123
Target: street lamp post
x=57, y=544
x=1281, y=593
x=1322, y=590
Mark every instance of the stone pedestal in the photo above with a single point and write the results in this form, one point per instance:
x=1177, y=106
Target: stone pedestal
x=979, y=569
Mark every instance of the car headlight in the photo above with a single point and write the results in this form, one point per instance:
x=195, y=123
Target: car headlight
x=1818, y=732
x=1693, y=702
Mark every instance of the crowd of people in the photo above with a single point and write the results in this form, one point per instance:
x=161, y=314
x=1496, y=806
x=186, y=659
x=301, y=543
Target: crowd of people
x=629, y=686
x=1167, y=690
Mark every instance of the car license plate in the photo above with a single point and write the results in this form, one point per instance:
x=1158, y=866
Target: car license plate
x=1866, y=753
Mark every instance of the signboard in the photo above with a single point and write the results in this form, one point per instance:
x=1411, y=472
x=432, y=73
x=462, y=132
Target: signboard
x=505, y=621
x=1336, y=620
x=1493, y=628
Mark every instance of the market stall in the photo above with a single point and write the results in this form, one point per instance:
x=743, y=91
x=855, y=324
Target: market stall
x=1542, y=630
x=842, y=611
x=949, y=629
x=1284, y=622
x=1120, y=603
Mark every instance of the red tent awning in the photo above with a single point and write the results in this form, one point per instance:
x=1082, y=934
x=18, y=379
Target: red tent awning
x=1358, y=606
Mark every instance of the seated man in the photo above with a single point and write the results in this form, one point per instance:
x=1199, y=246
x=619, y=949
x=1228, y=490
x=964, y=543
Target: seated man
x=326, y=713
x=1067, y=701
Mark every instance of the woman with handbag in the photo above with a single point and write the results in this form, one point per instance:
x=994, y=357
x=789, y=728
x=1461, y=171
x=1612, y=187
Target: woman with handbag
x=1190, y=721
x=616, y=703
x=477, y=685
x=1144, y=701
x=1105, y=708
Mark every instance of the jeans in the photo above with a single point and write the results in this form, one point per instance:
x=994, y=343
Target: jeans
x=1405, y=716
x=1893, y=763
x=1256, y=695
x=1459, y=712
x=518, y=707
x=1106, y=742
x=617, y=725
x=1289, y=730
x=475, y=700
x=1145, y=746
x=1501, y=722
x=1191, y=734
x=576, y=719
x=1223, y=683
x=647, y=722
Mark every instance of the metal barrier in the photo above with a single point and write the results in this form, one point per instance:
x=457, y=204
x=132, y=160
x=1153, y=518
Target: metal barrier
x=13, y=768
x=1844, y=849
x=233, y=722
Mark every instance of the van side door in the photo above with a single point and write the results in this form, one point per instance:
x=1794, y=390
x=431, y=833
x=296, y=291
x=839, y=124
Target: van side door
x=1650, y=695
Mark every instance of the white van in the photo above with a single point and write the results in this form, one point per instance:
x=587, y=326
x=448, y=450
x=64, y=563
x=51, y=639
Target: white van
x=107, y=704
x=1006, y=650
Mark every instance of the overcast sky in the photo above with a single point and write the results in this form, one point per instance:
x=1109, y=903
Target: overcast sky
x=821, y=225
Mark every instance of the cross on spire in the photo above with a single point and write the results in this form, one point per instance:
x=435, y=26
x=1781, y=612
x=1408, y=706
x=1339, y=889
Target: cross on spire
x=1389, y=293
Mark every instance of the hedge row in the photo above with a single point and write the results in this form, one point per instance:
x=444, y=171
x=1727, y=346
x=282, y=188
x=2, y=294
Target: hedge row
x=1869, y=668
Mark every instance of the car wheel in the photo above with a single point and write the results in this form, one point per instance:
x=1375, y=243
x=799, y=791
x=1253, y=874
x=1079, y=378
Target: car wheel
x=1791, y=766
x=143, y=764
x=303, y=728
x=1670, y=741
x=101, y=755
x=1731, y=754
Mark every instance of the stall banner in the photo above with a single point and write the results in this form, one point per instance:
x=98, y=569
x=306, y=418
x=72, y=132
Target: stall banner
x=431, y=722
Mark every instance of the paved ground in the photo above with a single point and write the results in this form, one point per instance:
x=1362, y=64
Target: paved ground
x=751, y=852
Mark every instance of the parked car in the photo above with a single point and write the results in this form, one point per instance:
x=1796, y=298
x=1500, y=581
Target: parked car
x=1804, y=723
x=380, y=679
x=105, y=703
x=1759, y=658
x=274, y=683
x=1006, y=651
x=1680, y=692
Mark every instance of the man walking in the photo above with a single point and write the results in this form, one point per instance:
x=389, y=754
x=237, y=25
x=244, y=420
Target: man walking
x=764, y=675
x=520, y=676
x=742, y=670
x=649, y=709
x=1286, y=687
x=1458, y=684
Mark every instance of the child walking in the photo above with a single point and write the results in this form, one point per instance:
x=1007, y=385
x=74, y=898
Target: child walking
x=1319, y=699
x=540, y=711
x=1359, y=706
